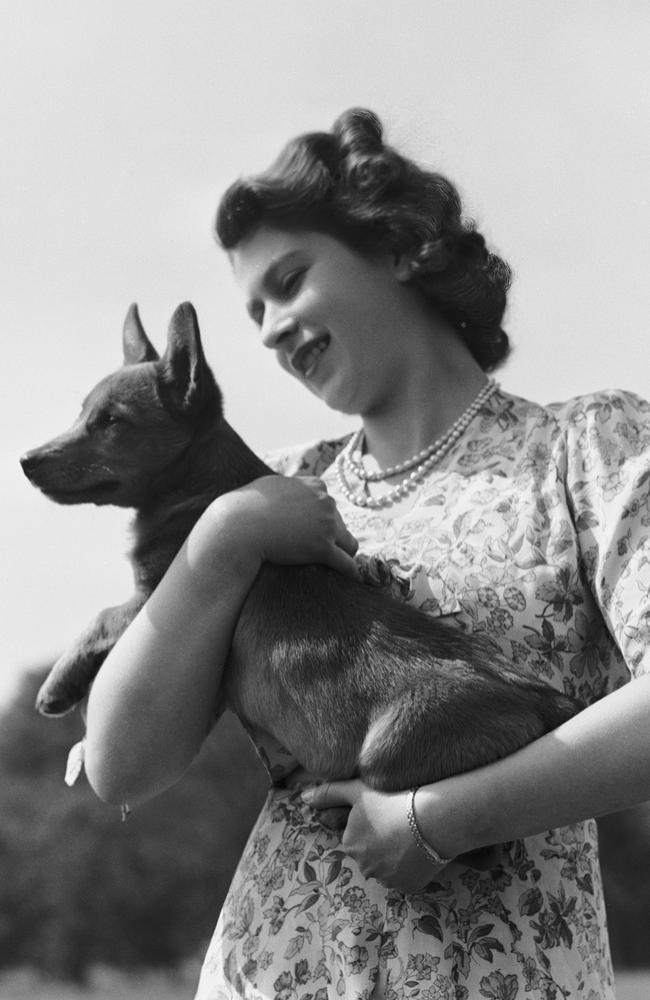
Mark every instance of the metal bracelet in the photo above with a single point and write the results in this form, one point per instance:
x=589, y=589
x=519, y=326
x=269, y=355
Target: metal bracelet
x=431, y=853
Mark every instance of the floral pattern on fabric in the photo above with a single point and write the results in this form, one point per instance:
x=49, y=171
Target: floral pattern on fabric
x=536, y=531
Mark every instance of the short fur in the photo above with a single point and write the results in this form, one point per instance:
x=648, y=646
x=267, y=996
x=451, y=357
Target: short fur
x=351, y=681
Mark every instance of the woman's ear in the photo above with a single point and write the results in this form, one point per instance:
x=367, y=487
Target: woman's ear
x=402, y=267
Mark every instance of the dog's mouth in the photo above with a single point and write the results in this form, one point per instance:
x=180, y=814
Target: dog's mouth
x=304, y=360
x=93, y=493
x=69, y=480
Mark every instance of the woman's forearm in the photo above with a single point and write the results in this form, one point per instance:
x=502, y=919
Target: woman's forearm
x=154, y=698
x=596, y=763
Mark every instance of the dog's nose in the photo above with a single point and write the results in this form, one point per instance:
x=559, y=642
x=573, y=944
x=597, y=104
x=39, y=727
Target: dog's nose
x=31, y=460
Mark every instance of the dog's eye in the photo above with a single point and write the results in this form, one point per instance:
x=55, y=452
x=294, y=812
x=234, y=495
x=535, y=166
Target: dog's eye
x=107, y=419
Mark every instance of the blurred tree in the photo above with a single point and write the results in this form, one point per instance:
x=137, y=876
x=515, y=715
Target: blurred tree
x=625, y=856
x=78, y=886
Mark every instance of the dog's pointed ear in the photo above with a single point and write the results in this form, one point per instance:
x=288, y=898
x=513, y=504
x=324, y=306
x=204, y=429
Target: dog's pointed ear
x=136, y=345
x=185, y=370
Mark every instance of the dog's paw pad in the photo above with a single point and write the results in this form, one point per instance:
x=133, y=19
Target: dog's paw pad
x=53, y=706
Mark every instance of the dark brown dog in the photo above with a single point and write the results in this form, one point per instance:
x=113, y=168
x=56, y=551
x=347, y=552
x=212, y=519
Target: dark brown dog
x=348, y=679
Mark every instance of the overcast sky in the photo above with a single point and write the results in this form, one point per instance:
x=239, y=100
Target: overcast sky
x=122, y=123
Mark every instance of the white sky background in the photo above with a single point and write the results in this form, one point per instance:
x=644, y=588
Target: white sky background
x=122, y=122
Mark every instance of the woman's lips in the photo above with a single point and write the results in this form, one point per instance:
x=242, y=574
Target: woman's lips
x=304, y=360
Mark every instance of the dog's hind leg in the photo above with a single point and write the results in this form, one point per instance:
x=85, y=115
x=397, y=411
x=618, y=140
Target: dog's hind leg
x=456, y=718
x=70, y=678
x=405, y=747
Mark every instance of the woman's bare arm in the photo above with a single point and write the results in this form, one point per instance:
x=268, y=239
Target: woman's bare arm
x=596, y=763
x=153, y=700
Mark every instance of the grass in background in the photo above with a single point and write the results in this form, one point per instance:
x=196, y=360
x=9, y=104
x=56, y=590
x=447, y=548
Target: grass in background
x=630, y=985
x=108, y=984
x=103, y=984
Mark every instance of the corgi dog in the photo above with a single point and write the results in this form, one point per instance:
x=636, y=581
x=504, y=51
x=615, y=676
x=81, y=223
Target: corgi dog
x=346, y=677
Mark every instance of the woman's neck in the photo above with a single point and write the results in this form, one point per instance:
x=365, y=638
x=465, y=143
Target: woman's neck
x=413, y=418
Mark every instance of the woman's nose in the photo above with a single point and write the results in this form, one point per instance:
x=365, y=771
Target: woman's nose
x=277, y=328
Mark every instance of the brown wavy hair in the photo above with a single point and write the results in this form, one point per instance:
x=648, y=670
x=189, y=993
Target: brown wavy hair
x=348, y=184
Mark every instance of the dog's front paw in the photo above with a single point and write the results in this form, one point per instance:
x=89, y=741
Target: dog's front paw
x=68, y=682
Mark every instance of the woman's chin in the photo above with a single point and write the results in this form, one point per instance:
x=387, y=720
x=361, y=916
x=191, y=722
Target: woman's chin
x=333, y=397
x=324, y=383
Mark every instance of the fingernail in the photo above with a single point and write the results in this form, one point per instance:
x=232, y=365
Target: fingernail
x=307, y=794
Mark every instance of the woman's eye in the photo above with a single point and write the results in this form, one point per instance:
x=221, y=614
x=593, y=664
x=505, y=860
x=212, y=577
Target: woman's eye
x=290, y=281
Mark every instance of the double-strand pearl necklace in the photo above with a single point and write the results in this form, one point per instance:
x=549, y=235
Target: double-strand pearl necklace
x=350, y=461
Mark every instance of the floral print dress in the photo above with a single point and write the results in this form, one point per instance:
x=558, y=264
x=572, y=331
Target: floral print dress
x=535, y=530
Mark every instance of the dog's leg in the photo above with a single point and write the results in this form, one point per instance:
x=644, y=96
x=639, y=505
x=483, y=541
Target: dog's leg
x=71, y=676
x=424, y=735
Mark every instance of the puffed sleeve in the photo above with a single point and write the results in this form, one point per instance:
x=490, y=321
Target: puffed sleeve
x=608, y=480
x=306, y=459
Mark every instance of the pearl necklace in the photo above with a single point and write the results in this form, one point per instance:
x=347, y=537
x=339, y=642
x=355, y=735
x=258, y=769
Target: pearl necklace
x=350, y=460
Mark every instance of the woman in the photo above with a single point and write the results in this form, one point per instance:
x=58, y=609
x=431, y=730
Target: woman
x=528, y=523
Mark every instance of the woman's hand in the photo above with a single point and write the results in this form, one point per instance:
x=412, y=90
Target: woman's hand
x=377, y=834
x=282, y=520
x=595, y=763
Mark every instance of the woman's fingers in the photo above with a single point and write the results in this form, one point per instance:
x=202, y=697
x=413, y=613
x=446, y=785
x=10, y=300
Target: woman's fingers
x=339, y=555
x=345, y=539
x=332, y=793
x=289, y=521
x=315, y=484
x=342, y=562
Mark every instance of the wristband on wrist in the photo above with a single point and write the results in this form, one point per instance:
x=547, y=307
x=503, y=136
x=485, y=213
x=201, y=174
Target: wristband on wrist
x=432, y=855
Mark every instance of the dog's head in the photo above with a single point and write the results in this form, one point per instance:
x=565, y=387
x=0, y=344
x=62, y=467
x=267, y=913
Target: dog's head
x=135, y=424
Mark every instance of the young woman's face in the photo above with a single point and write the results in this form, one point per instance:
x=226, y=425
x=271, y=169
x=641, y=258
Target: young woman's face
x=331, y=315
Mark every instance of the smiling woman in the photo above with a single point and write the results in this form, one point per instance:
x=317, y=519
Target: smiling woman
x=528, y=525
x=343, y=323
x=350, y=185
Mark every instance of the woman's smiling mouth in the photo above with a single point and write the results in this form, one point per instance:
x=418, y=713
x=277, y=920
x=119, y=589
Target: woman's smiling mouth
x=304, y=360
